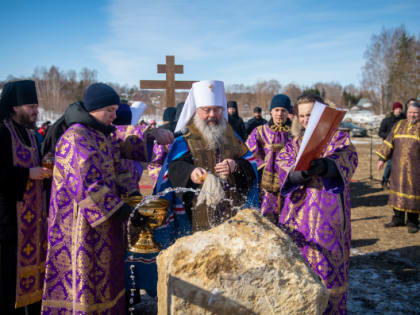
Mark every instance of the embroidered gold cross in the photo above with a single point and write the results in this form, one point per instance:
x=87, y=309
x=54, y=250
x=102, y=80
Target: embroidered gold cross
x=27, y=282
x=28, y=216
x=28, y=249
x=211, y=87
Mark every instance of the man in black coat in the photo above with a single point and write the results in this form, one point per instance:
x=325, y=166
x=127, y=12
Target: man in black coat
x=23, y=221
x=169, y=119
x=385, y=128
x=235, y=121
x=256, y=121
x=57, y=129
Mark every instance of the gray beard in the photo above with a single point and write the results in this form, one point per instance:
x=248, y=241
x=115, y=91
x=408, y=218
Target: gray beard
x=213, y=135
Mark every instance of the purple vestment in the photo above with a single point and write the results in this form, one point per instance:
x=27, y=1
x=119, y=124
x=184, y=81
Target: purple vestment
x=160, y=152
x=317, y=216
x=85, y=257
x=265, y=142
x=137, y=148
x=403, y=146
x=31, y=224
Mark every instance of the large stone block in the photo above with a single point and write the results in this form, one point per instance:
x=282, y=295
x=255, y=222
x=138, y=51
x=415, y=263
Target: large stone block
x=246, y=265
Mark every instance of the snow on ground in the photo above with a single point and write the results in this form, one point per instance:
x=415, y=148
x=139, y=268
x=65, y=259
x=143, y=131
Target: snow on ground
x=382, y=283
x=360, y=117
x=44, y=116
x=366, y=140
x=365, y=118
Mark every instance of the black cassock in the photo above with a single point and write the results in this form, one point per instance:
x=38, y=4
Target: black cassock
x=238, y=125
x=13, y=181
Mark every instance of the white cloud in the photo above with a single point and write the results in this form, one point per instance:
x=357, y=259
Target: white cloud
x=235, y=41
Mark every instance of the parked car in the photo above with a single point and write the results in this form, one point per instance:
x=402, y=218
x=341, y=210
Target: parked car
x=354, y=130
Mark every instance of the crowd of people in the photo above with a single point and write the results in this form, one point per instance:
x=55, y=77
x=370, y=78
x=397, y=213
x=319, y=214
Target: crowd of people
x=63, y=246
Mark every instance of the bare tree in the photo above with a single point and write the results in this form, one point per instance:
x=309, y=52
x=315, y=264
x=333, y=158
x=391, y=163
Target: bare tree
x=380, y=56
x=404, y=78
x=50, y=84
x=331, y=92
x=264, y=92
x=293, y=91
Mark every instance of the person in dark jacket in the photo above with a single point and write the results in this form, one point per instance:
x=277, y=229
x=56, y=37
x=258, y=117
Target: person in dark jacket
x=385, y=128
x=61, y=124
x=235, y=121
x=256, y=121
x=169, y=116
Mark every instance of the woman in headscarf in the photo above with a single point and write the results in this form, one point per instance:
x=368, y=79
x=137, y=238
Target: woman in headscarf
x=316, y=207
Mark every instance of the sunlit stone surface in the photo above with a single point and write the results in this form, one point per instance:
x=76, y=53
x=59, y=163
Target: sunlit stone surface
x=246, y=265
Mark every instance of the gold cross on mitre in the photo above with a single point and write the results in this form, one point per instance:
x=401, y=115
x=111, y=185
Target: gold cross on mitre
x=211, y=87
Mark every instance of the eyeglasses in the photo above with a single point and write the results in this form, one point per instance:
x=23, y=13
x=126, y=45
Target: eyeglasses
x=215, y=109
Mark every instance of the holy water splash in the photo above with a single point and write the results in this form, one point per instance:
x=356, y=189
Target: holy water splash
x=233, y=209
x=214, y=220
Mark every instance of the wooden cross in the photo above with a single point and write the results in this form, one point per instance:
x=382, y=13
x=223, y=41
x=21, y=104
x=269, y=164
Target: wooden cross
x=170, y=85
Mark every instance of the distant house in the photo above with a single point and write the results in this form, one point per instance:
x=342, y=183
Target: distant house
x=363, y=115
x=364, y=103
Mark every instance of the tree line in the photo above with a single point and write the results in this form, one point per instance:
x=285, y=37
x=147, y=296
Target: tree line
x=392, y=69
x=391, y=73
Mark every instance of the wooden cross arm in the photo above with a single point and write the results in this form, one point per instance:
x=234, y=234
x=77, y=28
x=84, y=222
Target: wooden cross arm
x=177, y=69
x=161, y=84
x=184, y=85
x=152, y=84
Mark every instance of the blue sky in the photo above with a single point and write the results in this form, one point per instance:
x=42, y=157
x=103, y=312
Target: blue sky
x=234, y=41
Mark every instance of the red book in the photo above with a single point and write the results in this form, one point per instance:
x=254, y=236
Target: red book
x=322, y=125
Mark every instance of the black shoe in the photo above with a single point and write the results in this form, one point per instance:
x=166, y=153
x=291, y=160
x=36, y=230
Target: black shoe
x=385, y=185
x=412, y=228
x=394, y=223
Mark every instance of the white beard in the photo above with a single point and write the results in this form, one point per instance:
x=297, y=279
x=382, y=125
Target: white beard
x=213, y=135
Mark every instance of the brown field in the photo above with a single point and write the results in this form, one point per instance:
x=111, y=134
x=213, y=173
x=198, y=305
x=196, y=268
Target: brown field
x=370, y=211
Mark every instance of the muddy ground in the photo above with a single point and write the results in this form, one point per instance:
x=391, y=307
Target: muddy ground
x=385, y=263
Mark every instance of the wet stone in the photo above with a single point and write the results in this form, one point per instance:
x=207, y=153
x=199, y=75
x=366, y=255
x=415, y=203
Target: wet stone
x=246, y=265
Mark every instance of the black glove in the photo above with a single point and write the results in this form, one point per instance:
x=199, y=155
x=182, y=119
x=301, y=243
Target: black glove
x=317, y=167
